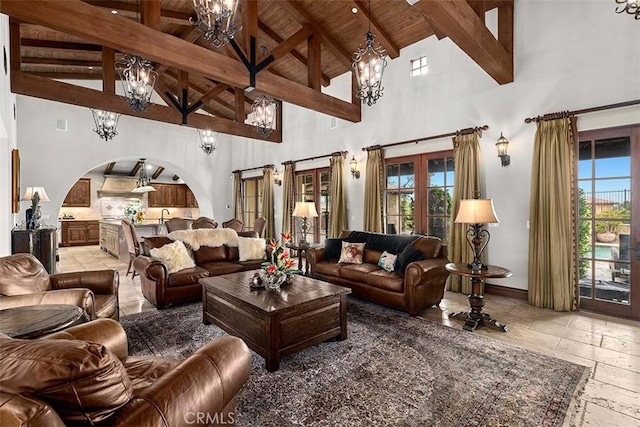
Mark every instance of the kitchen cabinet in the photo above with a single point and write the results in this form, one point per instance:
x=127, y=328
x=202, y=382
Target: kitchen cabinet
x=80, y=233
x=80, y=195
x=171, y=196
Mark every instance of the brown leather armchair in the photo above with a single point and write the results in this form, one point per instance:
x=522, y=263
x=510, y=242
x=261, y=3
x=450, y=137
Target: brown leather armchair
x=44, y=383
x=24, y=281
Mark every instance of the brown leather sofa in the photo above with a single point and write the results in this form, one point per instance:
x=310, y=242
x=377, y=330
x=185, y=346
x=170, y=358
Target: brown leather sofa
x=24, y=281
x=162, y=288
x=84, y=376
x=419, y=286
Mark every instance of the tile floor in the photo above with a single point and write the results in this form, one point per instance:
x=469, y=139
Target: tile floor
x=608, y=345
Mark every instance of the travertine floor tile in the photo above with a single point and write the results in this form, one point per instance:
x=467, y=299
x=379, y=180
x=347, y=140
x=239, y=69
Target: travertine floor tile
x=555, y=329
x=618, y=377
x=621, y=345
x=598, y=416
x=610, y=357
x=613, y=398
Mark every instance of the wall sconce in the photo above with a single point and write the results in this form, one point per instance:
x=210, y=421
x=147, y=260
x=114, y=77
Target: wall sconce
x=502, y=146
x=355, y=173
x=276, y=177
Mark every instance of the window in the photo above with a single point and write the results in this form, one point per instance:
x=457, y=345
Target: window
x=313, y=186
x=252, y=198
x=419, y=66
x=418, y=194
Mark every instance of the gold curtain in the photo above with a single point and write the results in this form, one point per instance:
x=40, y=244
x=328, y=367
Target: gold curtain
x=552, y=246
x=338, y=200
x=237, y=195
x=267, y=202
x=288, y=201
x=373, y=191
x=466, y=182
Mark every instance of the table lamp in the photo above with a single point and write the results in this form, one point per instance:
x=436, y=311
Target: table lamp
x=305, y=210
x=33, y=215
x=477, y=212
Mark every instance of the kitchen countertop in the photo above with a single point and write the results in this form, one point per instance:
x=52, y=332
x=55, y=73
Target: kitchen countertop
x=77, y=219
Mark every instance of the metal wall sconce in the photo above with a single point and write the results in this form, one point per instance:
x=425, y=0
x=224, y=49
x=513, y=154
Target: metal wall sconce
x=276, y=177
x=353, y=164
x=502, y=146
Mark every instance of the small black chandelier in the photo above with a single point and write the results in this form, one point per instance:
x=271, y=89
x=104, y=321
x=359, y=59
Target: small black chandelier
x=216, y=20
x=138, y=78
x=264, y=113
x=369, y=63
x=632, y=7
x=106, y=123
x=208, y=140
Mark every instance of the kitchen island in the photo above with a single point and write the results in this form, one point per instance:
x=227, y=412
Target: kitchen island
x=112, y=238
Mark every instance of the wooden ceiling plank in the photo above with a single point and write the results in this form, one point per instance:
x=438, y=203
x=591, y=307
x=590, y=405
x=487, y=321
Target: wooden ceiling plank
x=297, y=11
x=51, y=44
x=109, y=168
x=157, y=173
x=381, y=35
x=66, y=76
x=150, y=13
x=288, y=45
x=57, y=61
x=239, y=104
x=250, y=28
x=136, y=168
x=108, y=70
x=82, y=20
x=314, y=68
x=212, y=93
x=14, y=47
x=183, y=86
x=167, y=16
x=463, y=26
x=29, y=85
x=297, y=55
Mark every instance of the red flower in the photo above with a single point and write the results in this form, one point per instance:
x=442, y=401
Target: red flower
x=271, y=269
x=273, y=243
x=288, y=263
x=285, y=237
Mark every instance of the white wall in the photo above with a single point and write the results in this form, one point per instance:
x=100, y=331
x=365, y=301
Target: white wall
x=565, y=59
x=7, y=143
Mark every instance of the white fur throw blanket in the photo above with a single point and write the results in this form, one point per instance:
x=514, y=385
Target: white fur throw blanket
x=206, y=237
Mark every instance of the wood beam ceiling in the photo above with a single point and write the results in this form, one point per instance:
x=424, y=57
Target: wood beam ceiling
x=381, y=35
x=460, y=22
x=109, y=168
x=136, y=168
x=81, y=19
x=157, y=173
x=167, y=16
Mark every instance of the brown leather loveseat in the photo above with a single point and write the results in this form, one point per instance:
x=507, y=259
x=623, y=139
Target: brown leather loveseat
x=24, y=281
x=162, y=288
x=84, y=376
x=418, y=284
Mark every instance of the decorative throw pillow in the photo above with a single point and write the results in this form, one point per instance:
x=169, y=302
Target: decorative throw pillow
x=352, y=253
x=408, y=255
x=332, y=249
x=174, y=255
x=251, y=248
x=387, y=261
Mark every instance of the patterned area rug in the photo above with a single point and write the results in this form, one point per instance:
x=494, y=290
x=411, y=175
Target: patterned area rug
x=392, y=370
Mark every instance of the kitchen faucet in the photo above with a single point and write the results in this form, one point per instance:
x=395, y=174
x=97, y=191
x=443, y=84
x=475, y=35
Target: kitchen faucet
x=162, y=215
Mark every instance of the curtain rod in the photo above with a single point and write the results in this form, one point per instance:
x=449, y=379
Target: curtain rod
x=252, y=169
x=561, y=114
x=343, y=153
x=429, y=138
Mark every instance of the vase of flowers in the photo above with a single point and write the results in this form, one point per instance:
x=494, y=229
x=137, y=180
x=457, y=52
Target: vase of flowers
x=135, y=211
x=277, y=271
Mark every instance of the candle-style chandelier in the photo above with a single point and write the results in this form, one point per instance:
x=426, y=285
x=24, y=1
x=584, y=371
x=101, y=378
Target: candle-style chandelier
x=216, y=20
x=106, y=123
x=369, y=63
x=138, y=78
x=264, y=113
x=208, y=140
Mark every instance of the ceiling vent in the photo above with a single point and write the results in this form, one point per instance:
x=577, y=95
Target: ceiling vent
x=61, y=125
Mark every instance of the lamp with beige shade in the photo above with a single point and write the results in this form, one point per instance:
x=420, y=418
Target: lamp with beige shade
x=304, y=210
x=476, y=213
x=35, y=195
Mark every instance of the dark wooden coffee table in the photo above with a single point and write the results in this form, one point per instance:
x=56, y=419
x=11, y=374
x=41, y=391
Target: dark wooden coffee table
x=33, y=321
x=276, y=323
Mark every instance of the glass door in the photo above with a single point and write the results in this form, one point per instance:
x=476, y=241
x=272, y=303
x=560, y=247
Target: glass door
x=313, y=186
x=609, y=220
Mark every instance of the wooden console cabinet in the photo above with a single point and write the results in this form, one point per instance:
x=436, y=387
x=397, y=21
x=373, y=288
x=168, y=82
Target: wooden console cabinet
x=40, y=243
x=80, y=233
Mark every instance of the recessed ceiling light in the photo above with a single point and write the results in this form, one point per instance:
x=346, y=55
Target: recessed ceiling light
x=115, y=12
x=149, y=167
x=91, y=68
x=354, y=10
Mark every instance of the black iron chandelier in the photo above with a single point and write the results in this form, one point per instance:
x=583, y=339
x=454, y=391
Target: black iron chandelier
x=264, y=113
x=632, y=7
x=106, y=123
x=216, y=20
x=208, y=139
x=138, y=78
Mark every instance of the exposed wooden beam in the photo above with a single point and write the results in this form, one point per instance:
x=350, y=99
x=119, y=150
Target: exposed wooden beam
x=66, y=76
x=109, y=168
x=297, y=11
x=314, y=68
x=81, y=19
x=108, y=70
x=478, y=8
x=191, y=35
x=24, y=84
x=150, y=13
x=157, y=173
x=58, y=61
x=463, y=26
x=239, y=104
x=162, y=89
x=297, y=55
x=51, y=44
x=228, y=106
x=212, y=93
x=14, y=39
x=167, y=16
x=136, y=168
x=183, y=86
x=250, y=28
x=381, y=35
x=434, y=27
x=505, y=25
x=289, y=44
x=193, y=99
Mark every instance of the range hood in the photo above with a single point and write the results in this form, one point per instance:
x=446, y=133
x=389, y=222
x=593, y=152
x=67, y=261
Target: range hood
x=119, y=186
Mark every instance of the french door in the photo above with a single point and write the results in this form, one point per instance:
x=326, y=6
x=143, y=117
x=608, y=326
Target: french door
x=608, y=177
x=313, y=186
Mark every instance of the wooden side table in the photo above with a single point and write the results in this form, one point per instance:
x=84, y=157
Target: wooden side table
x=33, y=321
x=476, y=317
x=302, y=254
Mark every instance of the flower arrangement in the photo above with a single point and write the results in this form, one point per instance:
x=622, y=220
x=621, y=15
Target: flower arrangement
x=135, y=211
x=281, y=265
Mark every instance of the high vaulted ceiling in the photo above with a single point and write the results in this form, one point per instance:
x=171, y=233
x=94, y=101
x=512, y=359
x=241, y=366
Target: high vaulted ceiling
x=311, y=42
